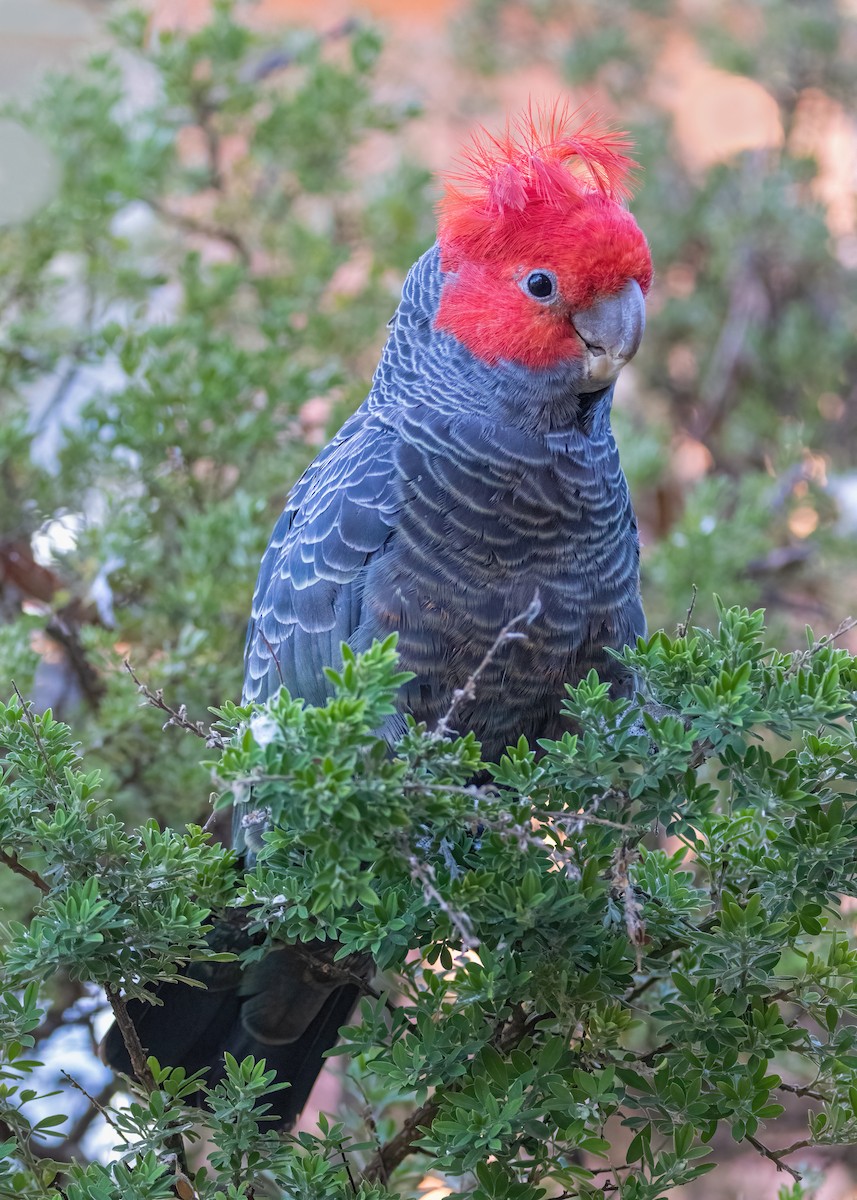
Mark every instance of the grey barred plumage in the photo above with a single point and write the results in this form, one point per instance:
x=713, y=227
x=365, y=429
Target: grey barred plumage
x=452, y=494
x=480, y=469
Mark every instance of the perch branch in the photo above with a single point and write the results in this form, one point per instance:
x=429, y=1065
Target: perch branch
x=177, y=716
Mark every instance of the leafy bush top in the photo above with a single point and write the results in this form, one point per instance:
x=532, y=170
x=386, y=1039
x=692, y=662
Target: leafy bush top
x=632, y=931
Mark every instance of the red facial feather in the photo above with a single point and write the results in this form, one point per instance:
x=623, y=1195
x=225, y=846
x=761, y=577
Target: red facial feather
x=539, y=197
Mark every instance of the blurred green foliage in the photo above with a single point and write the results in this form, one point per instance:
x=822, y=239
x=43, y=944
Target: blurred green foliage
x=183, y=282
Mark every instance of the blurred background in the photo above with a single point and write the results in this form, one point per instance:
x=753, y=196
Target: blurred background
x=206, y=214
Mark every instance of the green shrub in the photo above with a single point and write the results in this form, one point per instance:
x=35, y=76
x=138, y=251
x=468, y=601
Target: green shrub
x=637, y=928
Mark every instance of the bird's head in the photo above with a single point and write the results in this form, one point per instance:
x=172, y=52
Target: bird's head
x=543, y=265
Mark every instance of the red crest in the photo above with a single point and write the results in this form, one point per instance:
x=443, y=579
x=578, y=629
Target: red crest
x=543, y=160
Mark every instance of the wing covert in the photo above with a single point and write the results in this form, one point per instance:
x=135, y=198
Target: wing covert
x=308, y=596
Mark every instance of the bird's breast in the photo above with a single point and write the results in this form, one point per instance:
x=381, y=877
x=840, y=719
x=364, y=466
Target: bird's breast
x=477, y=541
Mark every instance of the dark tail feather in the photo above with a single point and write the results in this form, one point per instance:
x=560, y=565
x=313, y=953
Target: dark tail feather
x=298, y=1063
x=193, y=1027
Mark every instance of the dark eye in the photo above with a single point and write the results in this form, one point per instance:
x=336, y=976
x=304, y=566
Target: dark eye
x=541, y=285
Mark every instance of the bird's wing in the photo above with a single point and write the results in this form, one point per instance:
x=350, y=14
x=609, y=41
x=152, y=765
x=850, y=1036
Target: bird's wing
x=308, y=596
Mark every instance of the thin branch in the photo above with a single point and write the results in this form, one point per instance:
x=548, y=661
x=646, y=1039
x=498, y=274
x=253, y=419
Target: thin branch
x=30, y=1151
x=274, y=658
x=801, y=659
x=131, y=1038
x=11, y=860
x=787, y=481
x=423, y=873
x=636, y=992
x=177, y=716
x=347, y=1166
x=397, y=1149
x=127, y=1028
x=683, y=626
x=276, y=59
x=97, y=1106
x=218, y=233
x=75, y=355
x=477, y=791
x=37, y=737
x=57, y=1015
x=624, y=857
x=809, y=1092
x=748, y=308
x=779, y=558
x=588, y=818
x=776, y=1156
x=527, y=837
x=369, y=1120
x=335, y=972
x=609, y=1170
x=468, y=691
x=13, y=863
x=701, y=751
x=64, y=385
x=139, y=1063
x=655, y=1054
x=490, y=791
x=204, y=111
x=65, y=634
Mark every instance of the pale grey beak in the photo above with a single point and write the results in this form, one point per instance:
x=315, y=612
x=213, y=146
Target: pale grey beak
x=611, y=332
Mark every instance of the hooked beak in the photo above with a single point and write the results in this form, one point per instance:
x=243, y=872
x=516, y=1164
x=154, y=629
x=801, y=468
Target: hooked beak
x=611, y=332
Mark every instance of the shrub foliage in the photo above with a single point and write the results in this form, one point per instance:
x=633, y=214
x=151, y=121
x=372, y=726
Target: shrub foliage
x=622, y=944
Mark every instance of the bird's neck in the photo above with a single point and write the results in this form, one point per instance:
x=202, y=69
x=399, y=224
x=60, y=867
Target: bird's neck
x=424, y=367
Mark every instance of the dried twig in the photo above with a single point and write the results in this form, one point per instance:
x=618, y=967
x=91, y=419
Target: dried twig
x=800, y=659
x=97, y=1106
x=579, y=819
x=468, y=691
x=423, y=873
x=748, y=308
x=624, y=856
x=177, y=716
x=347, y=1165
x=683, y=626
x=372, y=1127
x=66, y=634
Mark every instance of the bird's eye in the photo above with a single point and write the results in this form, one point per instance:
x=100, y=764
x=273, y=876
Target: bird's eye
x=541, y=284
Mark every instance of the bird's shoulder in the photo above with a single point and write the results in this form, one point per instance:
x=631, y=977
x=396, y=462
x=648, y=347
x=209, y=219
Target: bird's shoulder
x=339, y=513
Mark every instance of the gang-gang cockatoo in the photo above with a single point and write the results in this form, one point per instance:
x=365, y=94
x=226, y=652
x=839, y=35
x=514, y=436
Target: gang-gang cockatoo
x=480, y=471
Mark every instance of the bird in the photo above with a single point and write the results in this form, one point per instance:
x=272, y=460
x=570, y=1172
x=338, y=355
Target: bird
x=480, y=470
